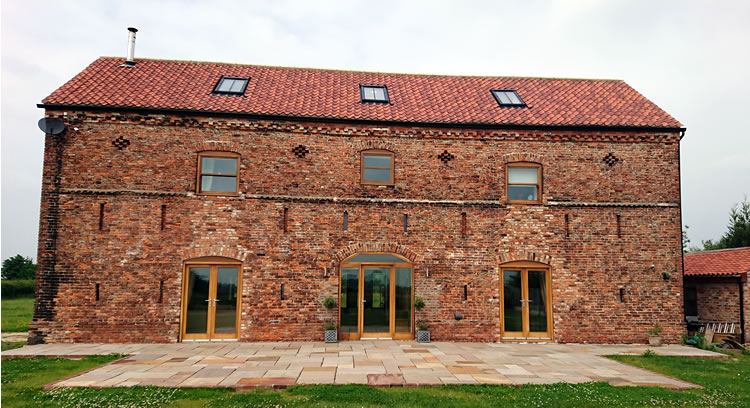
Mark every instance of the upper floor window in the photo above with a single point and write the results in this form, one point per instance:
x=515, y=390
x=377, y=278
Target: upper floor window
x=507, y=97
x=377, y=167
x=524, y=182
x=231, y=85
x=218, y=173
x=374, y=93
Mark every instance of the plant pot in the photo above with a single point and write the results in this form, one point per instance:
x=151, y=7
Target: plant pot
x=332, y=336
x=654, y=341
x=423, y=336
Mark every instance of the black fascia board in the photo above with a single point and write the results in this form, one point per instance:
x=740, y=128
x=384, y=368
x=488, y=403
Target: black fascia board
x=322, y=119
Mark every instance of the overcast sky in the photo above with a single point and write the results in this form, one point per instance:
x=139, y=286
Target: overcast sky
x=689, y=57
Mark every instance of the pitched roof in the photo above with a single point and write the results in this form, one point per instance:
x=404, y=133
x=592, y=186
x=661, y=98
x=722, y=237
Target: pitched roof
x=721, y=262
x=334, y=94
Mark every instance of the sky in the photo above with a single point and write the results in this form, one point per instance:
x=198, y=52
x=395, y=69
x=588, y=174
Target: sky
x=689, y=57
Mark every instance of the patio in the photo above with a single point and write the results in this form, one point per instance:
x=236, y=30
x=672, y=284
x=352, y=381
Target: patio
x=377, y=363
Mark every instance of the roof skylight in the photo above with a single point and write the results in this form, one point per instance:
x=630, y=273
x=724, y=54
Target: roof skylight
x=231, y=85
x=507, y=97
x=374, y=93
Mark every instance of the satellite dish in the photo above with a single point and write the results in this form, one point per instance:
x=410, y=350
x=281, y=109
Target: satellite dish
x=52, y=126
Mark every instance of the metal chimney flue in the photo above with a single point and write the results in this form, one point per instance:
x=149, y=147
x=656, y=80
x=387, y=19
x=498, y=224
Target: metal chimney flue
x=130, y=60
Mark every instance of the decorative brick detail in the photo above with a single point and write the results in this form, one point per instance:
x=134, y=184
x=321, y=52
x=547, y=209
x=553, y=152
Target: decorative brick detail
x=223, y=251
x=121, y=143
x=300, y=151
x=377, y=144
x=522, y=157
x=218, y=146
x=610, y=159
x=532, y=256
x=446, y=157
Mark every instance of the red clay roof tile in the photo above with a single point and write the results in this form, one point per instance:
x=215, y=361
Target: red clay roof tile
x=721, y=262
x=321, y=93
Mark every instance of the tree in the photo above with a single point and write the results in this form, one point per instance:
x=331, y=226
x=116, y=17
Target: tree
x=738, y=230
x=18, y=267
x=685, y=240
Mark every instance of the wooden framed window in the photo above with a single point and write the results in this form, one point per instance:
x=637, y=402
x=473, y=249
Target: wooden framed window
x=218, y=173
x=377, y=167
x=523, y=183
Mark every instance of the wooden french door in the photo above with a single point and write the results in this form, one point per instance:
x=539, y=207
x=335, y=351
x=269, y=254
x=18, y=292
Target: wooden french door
x=526, y=312
x=376, y=299
x=211, y=301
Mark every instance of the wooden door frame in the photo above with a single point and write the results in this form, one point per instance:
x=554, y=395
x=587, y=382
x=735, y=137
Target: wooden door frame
x=213, y=263
x=526, y=335
x=392, y=266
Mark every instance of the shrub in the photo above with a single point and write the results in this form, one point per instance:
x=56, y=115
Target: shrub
x=422, y=325
x=18, y=288
x=329, y=302
x=329, y=325
x=419, y=303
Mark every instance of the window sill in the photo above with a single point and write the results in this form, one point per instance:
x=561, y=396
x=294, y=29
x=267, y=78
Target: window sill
x=364, y=183
x=218, y=194
x=522, y=202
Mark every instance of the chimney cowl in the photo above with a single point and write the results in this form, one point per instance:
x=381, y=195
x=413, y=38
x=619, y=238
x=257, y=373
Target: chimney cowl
x=130, y=59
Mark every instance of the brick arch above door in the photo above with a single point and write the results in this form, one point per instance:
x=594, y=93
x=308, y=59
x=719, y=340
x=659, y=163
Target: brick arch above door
x=392, y=247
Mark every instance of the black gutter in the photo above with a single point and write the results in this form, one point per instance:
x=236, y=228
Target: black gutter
x=358, y=121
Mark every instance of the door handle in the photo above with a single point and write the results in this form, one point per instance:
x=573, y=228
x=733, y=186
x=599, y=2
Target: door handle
x=364, y=300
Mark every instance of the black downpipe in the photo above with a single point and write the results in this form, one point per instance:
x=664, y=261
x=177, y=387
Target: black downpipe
x=742, y=311
x=682, y=252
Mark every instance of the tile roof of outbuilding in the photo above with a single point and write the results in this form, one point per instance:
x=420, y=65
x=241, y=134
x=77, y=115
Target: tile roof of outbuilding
x=721, y=262
x=334, y=94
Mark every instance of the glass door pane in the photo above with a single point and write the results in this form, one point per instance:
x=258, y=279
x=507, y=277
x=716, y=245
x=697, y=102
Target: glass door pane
x=403, y=300
x=537, y=301
x=376, y=300
x=349, y=300
x=196, y=312
x=512, y=305
x=225, y=321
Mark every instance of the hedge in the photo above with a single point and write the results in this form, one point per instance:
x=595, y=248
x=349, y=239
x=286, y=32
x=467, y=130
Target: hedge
x=18, y=287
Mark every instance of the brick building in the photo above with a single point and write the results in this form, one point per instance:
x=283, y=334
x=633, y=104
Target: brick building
x=716, y=287
x=195, y=200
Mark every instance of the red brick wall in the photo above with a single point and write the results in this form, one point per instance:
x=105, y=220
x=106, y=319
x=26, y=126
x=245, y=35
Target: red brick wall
x=718, y=299
x=131, y=255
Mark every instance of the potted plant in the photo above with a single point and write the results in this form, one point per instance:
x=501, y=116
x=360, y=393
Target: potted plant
x=423, y=335
x=654, y=335
x=329, y=325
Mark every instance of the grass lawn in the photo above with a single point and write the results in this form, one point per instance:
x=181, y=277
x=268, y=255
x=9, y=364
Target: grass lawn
x=727, y=384
x=17, y=313
x=10, y=345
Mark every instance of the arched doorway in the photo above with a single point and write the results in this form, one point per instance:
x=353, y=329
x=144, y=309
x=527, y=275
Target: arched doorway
x=376, y=297
x=526, y=305
x=211, y=288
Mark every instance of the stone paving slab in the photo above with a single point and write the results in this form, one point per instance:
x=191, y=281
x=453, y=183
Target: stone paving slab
x=373, y=362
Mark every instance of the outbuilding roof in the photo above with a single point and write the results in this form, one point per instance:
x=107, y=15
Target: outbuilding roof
x=720, y=262
x=326, y=94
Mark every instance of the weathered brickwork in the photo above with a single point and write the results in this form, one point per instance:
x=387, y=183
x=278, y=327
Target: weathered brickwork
x=592, y=255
